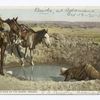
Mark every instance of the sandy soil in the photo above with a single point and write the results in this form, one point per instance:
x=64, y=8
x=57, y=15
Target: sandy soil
x=11, y=83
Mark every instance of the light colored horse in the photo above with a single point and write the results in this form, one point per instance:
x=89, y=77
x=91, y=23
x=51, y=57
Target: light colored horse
x=33, y=38
x=4, y=40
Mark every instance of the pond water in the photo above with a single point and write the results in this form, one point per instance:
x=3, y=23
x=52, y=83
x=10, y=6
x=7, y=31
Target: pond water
x=38, y=73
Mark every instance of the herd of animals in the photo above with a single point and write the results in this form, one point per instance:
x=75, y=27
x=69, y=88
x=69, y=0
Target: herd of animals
x=15, y=34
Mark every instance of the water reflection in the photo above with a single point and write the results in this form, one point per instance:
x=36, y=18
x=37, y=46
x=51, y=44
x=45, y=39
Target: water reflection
x=39, y=73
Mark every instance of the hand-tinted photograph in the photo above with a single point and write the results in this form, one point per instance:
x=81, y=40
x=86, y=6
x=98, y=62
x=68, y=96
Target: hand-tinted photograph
x=50, y=49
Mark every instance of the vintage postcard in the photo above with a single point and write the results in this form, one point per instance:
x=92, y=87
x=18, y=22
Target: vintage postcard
x=50, y=50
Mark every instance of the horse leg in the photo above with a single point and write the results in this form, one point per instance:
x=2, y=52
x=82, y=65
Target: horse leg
x=32, y=63
x=22, y=60
x=11, y=48
x=1, y=63
x=3, y=48
x=19, y=54
x=11, y=42
x=25, y=53
x=31, y=55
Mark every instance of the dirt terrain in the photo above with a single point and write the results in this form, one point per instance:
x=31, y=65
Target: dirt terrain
x=11, y=83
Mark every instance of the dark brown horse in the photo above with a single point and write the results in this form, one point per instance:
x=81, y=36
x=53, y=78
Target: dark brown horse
x=12, y=24
x=14, y=31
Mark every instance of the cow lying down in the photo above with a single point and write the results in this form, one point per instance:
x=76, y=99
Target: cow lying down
x=80, y=73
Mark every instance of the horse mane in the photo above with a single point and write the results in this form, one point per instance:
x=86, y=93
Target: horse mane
x=27, y=28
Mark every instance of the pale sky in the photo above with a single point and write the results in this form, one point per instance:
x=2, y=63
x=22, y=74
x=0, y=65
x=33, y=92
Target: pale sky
x=52, y=13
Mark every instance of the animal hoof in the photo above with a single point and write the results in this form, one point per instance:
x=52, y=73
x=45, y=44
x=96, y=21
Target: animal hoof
x=32, y=63
x=25, y=56
x=22, y=65
x=22, y=62
x=2, y=74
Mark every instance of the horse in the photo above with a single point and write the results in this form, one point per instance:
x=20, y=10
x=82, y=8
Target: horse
x=32, y=39
x=13, y=34
x=13, y=31
x=3, y=44
x=8, y=34
x=4, y=40
x=28, y=38
x=10, y=25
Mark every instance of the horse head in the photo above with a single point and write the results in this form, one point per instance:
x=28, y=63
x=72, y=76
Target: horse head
x=13, y=24
x=46, y=37
x=14, y=28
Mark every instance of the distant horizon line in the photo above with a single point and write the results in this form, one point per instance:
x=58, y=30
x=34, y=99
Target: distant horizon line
x=53, y=21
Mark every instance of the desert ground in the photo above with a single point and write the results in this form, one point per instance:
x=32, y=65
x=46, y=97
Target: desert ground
x=11, y=83
x=73, y=44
